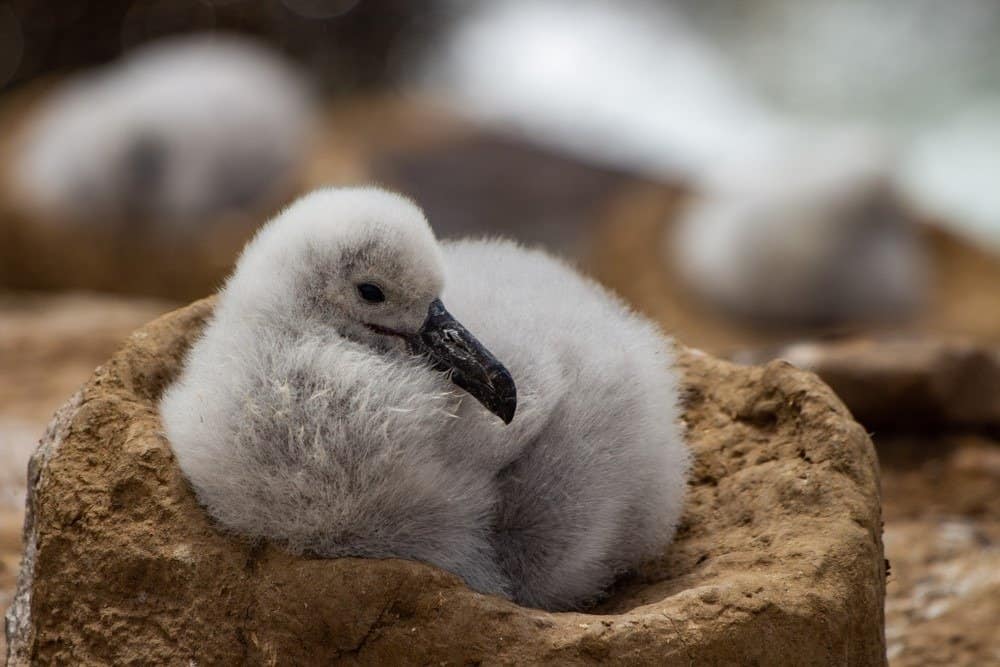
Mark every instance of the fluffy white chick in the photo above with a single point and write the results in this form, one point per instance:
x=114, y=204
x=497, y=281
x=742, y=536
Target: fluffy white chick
x=332, y=404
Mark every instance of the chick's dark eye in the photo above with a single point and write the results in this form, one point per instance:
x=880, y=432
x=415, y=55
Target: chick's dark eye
x=371, y=293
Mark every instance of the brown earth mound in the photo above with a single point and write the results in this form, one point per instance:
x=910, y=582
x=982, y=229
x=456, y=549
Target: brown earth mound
x=49, y=345
x=934, y=408
x=778, y=559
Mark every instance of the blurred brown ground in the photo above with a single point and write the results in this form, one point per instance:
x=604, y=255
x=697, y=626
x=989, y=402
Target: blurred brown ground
x=940, y=489
x=942, y=536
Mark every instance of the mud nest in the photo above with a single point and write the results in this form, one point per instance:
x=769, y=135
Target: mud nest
x=778, y=559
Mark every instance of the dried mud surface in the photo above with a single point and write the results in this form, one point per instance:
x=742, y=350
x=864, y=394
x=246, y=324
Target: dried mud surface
x=49, y=346
x=933, y=407
x=778, y=560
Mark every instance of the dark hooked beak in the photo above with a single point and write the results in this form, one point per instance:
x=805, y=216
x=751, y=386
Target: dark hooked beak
x=473, y=368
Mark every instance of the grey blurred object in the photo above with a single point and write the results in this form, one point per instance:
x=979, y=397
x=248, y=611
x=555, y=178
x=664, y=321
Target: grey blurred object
x=925, y=72
x=952, y=171
x=677, y=86
x=901, y=64
x=794, y=220
x=633, y=86
x=812, y=236
x=183, y=129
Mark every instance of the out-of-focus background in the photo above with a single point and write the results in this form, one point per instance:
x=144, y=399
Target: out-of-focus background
x=812, y=180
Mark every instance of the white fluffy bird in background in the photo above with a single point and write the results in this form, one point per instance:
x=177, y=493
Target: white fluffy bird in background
x=334, y=405
x=812, y=236
x=181, y=129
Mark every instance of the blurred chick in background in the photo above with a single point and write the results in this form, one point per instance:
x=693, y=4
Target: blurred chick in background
x=811, y=235
x=793, y=221
x=181, y=129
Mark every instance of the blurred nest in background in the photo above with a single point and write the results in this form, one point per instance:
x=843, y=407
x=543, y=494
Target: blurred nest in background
x=341, y=47
x=962, y=298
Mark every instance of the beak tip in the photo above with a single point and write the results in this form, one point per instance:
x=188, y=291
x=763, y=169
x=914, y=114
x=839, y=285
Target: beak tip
x=507, y=413
x=506, y=396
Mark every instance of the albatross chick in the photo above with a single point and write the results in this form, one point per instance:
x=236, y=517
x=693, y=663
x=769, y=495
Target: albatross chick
x=334, y=405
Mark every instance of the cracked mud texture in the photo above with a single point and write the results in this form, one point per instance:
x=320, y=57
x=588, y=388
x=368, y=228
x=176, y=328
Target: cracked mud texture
x=778, y=559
